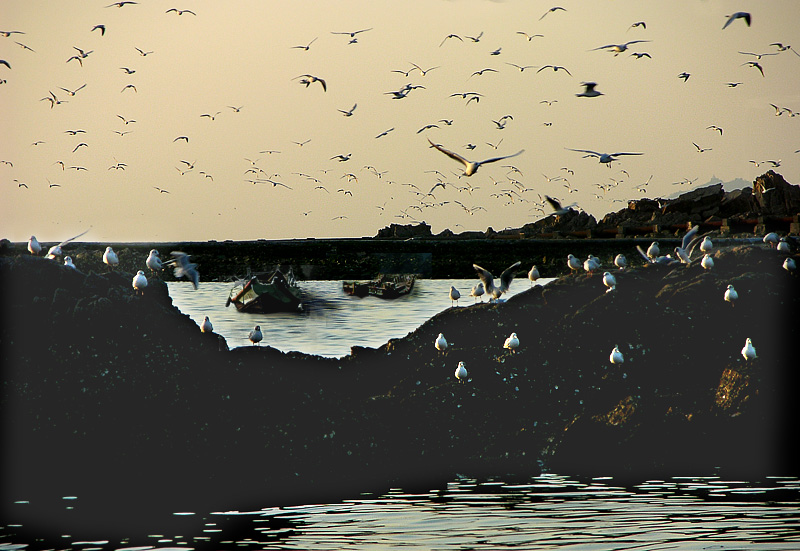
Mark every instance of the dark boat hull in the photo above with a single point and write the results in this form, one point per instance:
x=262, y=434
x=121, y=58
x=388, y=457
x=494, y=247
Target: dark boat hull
x=387, y=286
x=257, y=297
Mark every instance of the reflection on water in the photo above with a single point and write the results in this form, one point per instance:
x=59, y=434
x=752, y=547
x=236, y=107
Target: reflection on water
x=331, y=322
x=546, y=512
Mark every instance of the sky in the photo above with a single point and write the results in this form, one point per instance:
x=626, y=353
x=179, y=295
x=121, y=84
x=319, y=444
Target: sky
x=242, y=173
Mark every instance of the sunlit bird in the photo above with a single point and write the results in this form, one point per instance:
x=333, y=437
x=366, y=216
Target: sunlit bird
x=470, y=167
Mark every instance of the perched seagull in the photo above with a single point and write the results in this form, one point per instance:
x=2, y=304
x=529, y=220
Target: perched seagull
x=533, y=274
x=589, y=91
x=618, y=48
x=730, y=294
x=653, y=251
x=477, y=291
x=471, y=167
x=789, y=264
x=488, y=279
x=738, y=15
x=68, y=263
x=609, y=281
x=591, y=264
x=454, y=295
x=309, y=79
x=255, y=335
x=206, y=326
x=616, y=356
x=461, y=372
x=139, y=282
x=153, y=261
x=706, y=245
x=512, y=342
x=110, y=258
x=573, y=263
x=184, y=268
x=33, y=246
x=607, y=158
x=620, y=261
x=771, y=239
x=749, y=351
x=441, y=343
x=55, y=250
x=707, y=262
x=783, y=246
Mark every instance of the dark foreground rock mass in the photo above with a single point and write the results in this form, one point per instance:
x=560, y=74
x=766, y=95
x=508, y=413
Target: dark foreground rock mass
x=122, y=398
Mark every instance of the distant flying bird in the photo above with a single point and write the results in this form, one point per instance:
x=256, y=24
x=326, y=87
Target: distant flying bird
x=342, y=158
x=382, y=134
x=470, y=167
x=640, y=55
x=701, y=149
x=142, y=52
x=480, y=73
x=589, y=91
x=551, y=10
x=732, y=84
x=422, y=71
x=738, y=15
x=641, y=24
x=350, y=112
x=306, y=47
x=603, y=157
x=309, y=79
x=755, y=65
x=450, y=36
x=128, y=70
x=120, y=4
x=72, y=92
x=555, y=68
x=180, y=12
x=352, y=34
x=714, y=127
x=102, y=29
x=186, y=138
x=6, y=63
x=558, y=209
x=521, y=67
x=131, y=86
x=9, y=33
x=685, y=76
x=618, y=48
x=530, y=36
x=82, y=144
x=126, y=121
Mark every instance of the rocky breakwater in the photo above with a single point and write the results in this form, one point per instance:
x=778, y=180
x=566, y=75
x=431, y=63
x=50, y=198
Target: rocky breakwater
x=113, y=395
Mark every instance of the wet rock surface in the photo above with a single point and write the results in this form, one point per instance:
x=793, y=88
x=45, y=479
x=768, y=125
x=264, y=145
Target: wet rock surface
x=121, y=396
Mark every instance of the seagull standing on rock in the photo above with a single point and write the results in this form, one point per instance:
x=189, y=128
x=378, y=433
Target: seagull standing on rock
x=441, y=343
x=255, y=335
x=477, y=291
x=620, y=261
x=512, y=342
x=454, y=295
x=609, y=281
x=68, y=263
x=139, y=282
x=533, y=274
x=731, y=295
x=616, y=356
x=153, y=261
x=771, y=239
x=707, y=262
x=110, y=258
x=461, y=372
x=206, y=326
x=573, y=263
x=33, y=246
x=706, y=245
x=653, y=251
x=749, y=351
x=789, y=265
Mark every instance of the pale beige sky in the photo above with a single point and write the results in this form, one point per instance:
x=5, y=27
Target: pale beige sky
x=240, y=55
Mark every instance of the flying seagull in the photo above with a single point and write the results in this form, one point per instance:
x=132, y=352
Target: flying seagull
x=487, y=279
x=309, y=79
x=618, y=48
x=738, y=15
x=471, y=167
x=589, y=91
x=604, y=157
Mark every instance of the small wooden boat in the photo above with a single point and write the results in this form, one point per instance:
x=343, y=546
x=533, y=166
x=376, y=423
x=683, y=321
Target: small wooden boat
x=384, y=286
x=280, y=293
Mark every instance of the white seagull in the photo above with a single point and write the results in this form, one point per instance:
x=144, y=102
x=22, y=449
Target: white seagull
x=110, y=258
x=589, y=91
x=33, y=245
x=206, y=326
x=477, y=291
x=153, y=261
x=607, y=158
x=454, y=295
x=749, y=351
x=139, y=282
x=471, y=167
x=620, y=261
x=441, y=343
x=609, y=281
x=461, y=372
x=68, y=263
x=731, y=295
x=255, y=335
x=533, y=274
x=512, y=342
x=789, y=264
x=707, y=262
x=618, y=48
x=616, y=356
x=653, y=251
x=706, y=245
x=184, y=268
x=771, y=239
x=573, y=263
x=488, y=279
x=591, y=264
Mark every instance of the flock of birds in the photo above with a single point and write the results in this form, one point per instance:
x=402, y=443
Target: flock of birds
x=682, y=255
x=451, y=192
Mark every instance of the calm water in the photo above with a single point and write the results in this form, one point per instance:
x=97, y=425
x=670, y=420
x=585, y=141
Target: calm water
x=545, y=512
x=331, y=322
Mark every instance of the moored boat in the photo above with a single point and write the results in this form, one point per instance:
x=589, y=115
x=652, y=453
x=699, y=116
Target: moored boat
x=279, y=293
x=384, y=286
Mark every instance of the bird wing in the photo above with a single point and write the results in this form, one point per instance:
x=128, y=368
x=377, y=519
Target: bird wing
x=622, y=153
x=486, y=277
x=71, y=239
x=493, y=159
x=449, y=153
x=508, y=275
x=641, y=252
x=689, y=236
x=590, y=152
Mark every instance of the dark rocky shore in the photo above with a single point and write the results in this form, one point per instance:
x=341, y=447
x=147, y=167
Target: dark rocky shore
x=122, y=399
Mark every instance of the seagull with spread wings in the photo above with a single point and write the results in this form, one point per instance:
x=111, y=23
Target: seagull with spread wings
x=470, y=167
